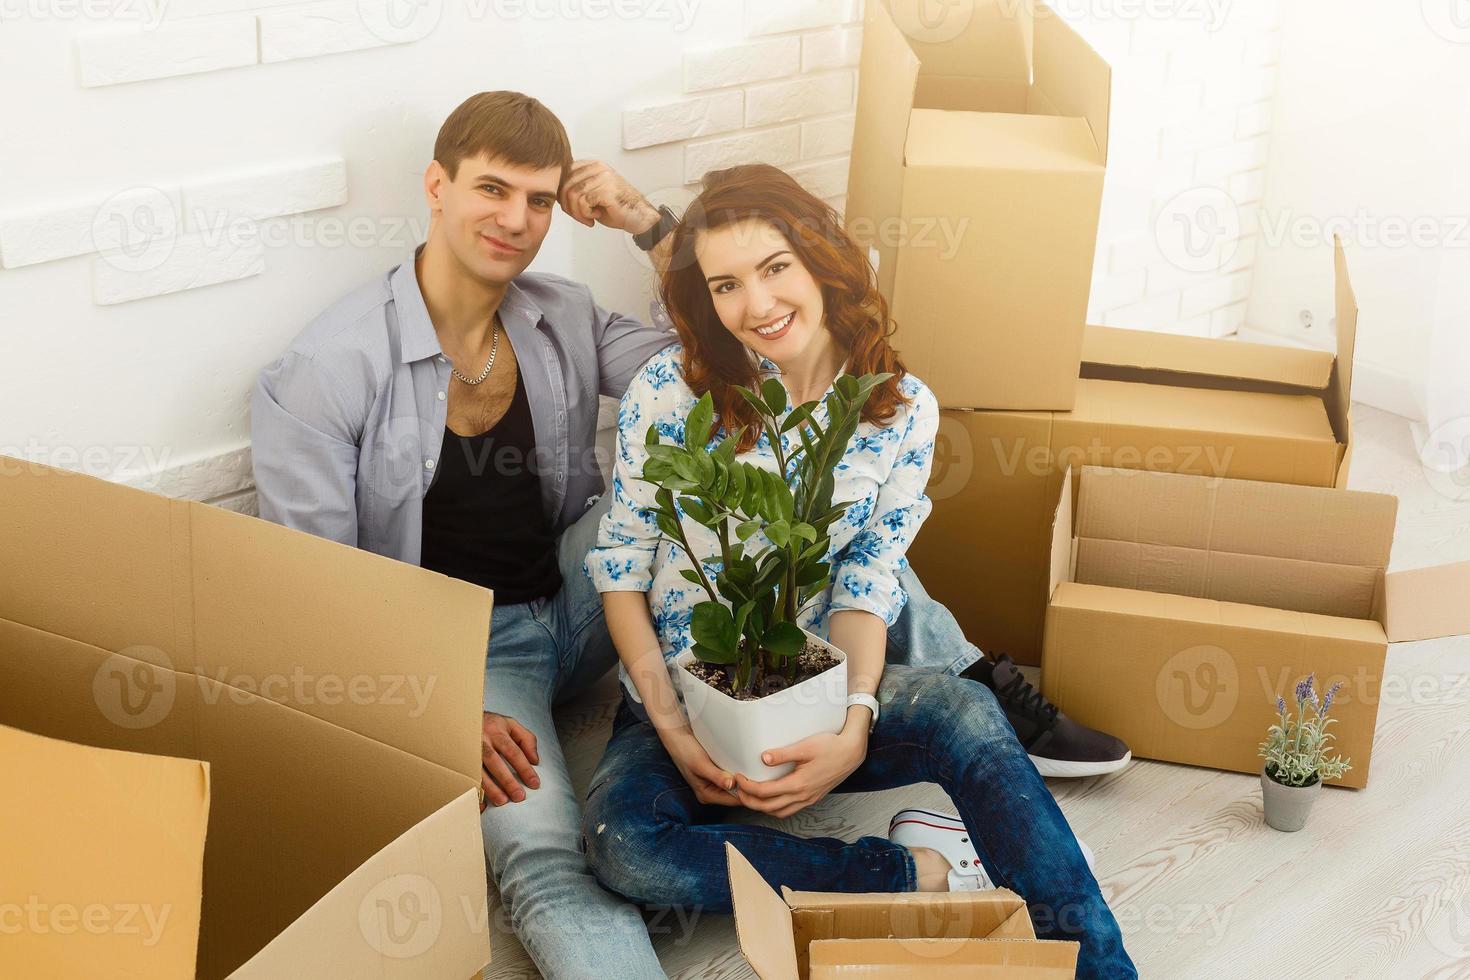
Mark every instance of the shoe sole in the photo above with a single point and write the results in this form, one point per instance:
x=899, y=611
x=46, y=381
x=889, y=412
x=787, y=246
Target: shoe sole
x=1067, y=769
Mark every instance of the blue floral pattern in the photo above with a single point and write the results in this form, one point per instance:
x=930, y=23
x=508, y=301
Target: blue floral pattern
x=885, y=469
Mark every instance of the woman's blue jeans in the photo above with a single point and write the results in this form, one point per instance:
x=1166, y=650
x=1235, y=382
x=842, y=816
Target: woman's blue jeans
x=648, y=839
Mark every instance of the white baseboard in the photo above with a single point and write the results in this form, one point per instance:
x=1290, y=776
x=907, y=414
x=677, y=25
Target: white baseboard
x=208, y=477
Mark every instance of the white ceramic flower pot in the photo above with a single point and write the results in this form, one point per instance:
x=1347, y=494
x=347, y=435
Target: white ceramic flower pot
x=735, y=733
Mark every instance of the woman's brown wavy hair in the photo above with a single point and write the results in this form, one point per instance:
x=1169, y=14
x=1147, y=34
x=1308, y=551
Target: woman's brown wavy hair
x=853, y=309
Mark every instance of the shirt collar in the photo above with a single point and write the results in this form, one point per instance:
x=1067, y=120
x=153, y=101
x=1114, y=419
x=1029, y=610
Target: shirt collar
x=416, y=337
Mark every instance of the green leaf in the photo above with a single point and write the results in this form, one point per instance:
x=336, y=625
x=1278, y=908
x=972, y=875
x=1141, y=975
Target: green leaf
x=746, y=529
x=698, y=510
x=755, y=401
x=697, y=425
x=775, y=395
x=657, y=470
x=669, y=526
x=678, y=484
x=818, y=547
x=796, y=417
x=685, y=466
x=704, y=466
x=650, y=438
x=779, y=533
x=784, y=639
x=710, y=655
x=691, y=575
x=712, y=625
x=812, y=574
x=804, y=531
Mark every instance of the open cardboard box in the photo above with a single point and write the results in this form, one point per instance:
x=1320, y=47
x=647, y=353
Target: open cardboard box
x=332, y=699
x=976, y=180
x=1182, y=606
x=1146, y=401
x=903, y=936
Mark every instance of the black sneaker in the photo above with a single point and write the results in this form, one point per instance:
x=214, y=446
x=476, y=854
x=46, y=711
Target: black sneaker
x=1057, y=745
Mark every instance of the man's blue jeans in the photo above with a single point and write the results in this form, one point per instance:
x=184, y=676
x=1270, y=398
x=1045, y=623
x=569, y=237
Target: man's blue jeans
x=545, y=652
x=650, y=840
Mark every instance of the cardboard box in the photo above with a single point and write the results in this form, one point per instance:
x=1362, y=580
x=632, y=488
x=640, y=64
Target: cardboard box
x=976, y=180
x=331, y=696
x=1146, y=401
x=905, y=936
x=1182, y=606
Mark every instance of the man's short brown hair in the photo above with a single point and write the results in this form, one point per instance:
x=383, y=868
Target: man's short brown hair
x=507, y=126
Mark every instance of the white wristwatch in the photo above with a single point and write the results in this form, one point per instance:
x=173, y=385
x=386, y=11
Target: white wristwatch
x=867, y=701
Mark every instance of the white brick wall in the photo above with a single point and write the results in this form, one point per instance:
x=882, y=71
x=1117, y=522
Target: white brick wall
x=1190, y=138
x=782, y=95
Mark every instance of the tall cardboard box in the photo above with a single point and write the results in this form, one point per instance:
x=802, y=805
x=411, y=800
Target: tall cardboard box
x=976, y=179
x=1146, y=401
x=331, y=697
x=905, y=936
x=1183, y=606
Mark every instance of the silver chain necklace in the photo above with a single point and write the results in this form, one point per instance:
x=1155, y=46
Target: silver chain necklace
x=494, y=345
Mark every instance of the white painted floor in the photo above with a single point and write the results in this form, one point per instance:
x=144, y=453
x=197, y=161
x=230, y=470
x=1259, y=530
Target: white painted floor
x=1378, y=885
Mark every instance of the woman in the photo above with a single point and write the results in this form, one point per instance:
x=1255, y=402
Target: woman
x=765, y=283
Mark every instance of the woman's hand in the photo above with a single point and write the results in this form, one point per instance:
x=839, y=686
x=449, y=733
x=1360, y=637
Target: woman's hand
x=822, y=762
x=710, y=783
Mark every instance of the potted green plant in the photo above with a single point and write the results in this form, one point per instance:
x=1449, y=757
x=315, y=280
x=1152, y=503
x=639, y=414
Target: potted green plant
x=754, y=679
x=1297, y=760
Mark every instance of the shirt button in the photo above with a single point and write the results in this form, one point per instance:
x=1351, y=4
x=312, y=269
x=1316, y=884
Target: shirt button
x=441, y=396
x=442, y=358
x=428, y=464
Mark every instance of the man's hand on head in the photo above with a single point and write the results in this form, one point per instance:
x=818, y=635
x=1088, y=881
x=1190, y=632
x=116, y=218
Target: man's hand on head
x=507, y=753
x=595, y=193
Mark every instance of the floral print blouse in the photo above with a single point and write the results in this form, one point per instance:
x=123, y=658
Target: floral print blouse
x=885, y=469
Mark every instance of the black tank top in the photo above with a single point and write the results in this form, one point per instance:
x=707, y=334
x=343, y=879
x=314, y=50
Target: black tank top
x=483, y=520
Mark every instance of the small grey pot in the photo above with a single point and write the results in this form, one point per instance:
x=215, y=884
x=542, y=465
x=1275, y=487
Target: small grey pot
x=1287, y=807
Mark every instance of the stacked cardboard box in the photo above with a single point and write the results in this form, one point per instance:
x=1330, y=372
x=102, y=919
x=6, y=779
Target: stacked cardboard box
x=330, y=697
x=1181, y=607
x=976, y=182
x=1144, y=401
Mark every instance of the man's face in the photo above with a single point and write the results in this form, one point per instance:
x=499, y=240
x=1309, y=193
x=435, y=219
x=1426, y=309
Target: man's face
x=493, y=215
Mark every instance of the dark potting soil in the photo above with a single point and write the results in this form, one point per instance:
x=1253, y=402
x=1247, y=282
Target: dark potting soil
x=811, y=661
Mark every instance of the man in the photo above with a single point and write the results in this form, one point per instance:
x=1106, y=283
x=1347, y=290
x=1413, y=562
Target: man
x=445, y=415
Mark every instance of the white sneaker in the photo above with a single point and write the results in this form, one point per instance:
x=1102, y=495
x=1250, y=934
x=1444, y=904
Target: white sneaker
x=946, y=834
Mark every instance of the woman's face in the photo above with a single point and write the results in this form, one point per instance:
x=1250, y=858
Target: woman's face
x=761, y=291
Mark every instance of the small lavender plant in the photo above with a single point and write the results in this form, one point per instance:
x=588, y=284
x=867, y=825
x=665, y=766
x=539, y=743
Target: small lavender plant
x=1297, y=746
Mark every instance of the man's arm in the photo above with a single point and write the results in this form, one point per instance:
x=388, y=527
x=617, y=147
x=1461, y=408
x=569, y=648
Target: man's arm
x=304, y=435
x=594, y=194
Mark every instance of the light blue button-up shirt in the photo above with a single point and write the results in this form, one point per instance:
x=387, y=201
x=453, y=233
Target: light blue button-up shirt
x=348, y=424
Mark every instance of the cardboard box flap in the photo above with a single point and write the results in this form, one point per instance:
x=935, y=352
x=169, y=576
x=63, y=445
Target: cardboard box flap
x=101, y=828
x=762, y=919
x=894, y=959
x=1339, y=397
x=1246, y=517
x=1000, y=141
x=1141, y=355
x=917, y=914
x=1071, y=78
x=1061, y=537
x=886, y=85
x=994, y=40
x=397, y=651
x=1427, y=603
x=415, y=909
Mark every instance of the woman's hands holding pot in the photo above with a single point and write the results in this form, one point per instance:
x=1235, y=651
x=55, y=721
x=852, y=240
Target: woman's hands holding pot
x=822, y=762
